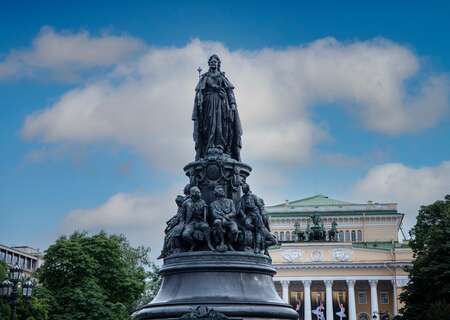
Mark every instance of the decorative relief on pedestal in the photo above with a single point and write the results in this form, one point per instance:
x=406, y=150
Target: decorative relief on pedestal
x=291, y=256
x=342, y=255
x=205, y=313
x=316, y=256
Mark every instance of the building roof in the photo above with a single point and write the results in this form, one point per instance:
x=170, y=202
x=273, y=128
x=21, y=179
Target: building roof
x=317, y=200
x=324, y=205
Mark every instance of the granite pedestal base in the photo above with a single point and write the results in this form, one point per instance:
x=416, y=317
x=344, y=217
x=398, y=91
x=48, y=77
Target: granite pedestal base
x=236, y=284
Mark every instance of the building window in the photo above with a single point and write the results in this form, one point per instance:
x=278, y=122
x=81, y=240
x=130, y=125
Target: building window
x=9, y=257
x=362, y=297
x=347, y=236
x=353, y=236
x=276, y=235
x=281, y=236
x=2, y=255
x=288, y=236
x=359, y=235
x=384, y=297
x=341, y=235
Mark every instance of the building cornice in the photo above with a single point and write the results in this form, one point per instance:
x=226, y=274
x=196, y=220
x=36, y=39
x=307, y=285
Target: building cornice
x=342, y=265
x=347, y=213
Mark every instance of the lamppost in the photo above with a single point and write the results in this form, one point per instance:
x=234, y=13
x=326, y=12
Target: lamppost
x=381, y=315
x=9, y=289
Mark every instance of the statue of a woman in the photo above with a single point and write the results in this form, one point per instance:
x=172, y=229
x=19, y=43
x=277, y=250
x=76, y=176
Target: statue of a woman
x=217, y=127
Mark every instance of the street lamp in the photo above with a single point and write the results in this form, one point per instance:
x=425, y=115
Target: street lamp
x=381, y=315
x=9, y=289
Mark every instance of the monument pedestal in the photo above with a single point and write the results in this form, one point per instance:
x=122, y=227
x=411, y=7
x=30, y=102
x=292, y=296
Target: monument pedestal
x=237, y=285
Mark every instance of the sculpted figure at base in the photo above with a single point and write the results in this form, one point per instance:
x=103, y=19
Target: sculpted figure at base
x=196, y=213
x=252, y=209
x=224, y=225
x=217, y=127
x=173, y=231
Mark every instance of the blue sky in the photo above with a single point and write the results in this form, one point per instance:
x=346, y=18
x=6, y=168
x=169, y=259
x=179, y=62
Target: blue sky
x=360, y=94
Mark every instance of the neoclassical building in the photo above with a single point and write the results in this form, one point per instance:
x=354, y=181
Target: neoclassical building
x=29, y=259
x=363, y=271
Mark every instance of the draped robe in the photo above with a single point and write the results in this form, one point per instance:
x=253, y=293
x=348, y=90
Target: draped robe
x=216, y=124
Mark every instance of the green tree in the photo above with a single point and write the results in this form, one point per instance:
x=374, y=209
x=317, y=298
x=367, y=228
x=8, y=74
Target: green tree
x=427, y=295
x=93, y=277
x=151, y=285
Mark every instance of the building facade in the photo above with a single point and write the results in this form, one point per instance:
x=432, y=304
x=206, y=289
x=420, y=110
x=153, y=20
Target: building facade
x=29, y=259
x=359, y=274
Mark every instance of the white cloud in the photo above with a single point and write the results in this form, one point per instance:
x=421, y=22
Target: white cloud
x=409, y=187
x=64, y=54
x=141, y=217
x=147, y=103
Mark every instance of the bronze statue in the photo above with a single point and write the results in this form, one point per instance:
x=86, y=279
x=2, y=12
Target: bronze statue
x=217, y=218
x=223, y=214
x=317, y=231
x=217, y=126
x=333, y=233
x=196, y=228
x=173, y=231
x=252, y=209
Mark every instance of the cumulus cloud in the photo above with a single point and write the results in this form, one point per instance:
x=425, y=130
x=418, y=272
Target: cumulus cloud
x=63, y=54
x=407, y=186
x=141, y=217
x=147, y=103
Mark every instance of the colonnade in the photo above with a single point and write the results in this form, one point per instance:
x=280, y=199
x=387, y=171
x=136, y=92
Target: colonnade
x=329, y=312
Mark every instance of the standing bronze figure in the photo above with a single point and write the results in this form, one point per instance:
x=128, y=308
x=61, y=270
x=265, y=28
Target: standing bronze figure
x=217, y=126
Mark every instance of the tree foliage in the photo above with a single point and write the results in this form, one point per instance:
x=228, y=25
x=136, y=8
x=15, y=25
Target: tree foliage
x=152, y=285
x=427, y=295
x=93, y=277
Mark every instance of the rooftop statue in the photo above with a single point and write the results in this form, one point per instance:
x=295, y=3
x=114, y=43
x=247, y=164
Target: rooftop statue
x=217, y=127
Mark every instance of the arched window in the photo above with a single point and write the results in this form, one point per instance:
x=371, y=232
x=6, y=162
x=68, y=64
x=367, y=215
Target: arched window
x=288, y=236
x=359, y=235
x=353, y=235
x=347, y=236
x=281, y=236
x=341, y=236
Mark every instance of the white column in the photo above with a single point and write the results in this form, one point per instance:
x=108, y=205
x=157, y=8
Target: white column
x=351, y=300
x=395, y=305
x=374, y=298
x=285, y=285
x=307, y=294
x=329, y=299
